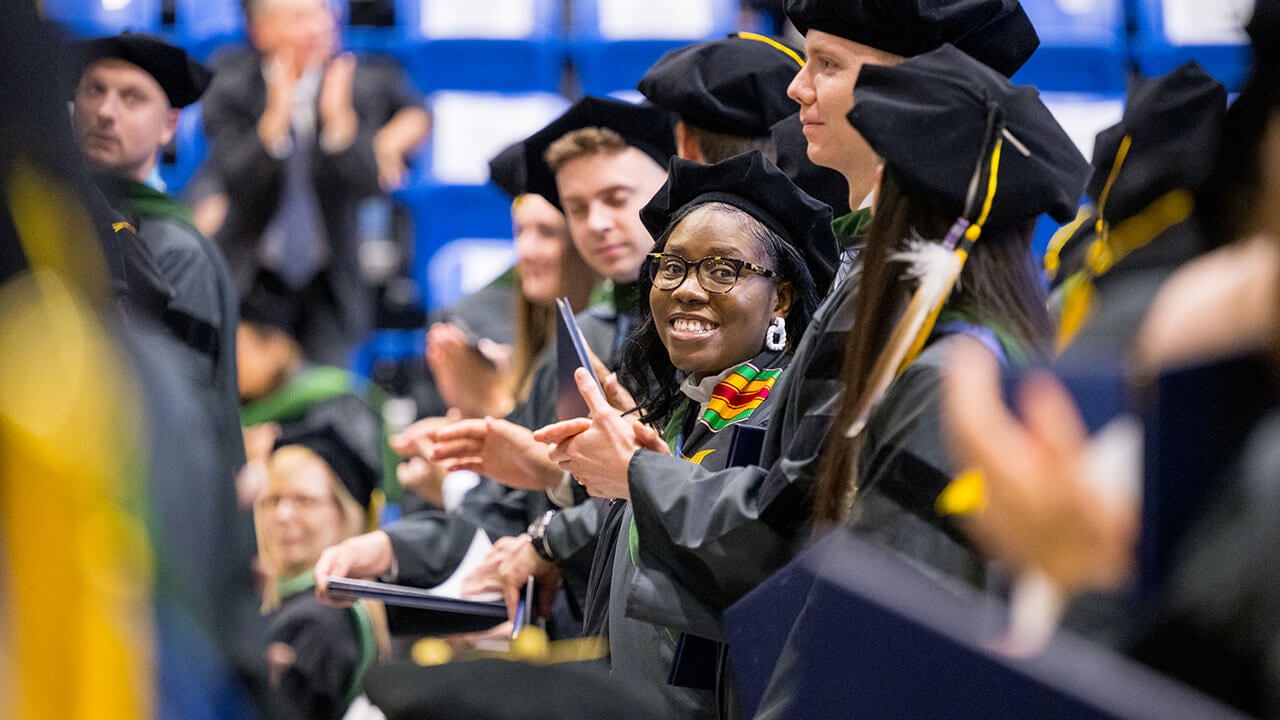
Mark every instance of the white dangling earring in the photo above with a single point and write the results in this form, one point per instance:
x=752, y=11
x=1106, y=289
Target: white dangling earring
x=776, y=337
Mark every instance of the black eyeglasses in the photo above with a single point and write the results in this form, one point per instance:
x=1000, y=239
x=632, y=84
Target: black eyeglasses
x=717, y=275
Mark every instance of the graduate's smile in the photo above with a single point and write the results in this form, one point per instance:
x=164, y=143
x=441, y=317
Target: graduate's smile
x=691, y=328
x=708, y=332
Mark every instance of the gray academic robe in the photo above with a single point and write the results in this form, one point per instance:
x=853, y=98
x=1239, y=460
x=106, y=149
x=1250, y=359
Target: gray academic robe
x=904, y=465
x=643, y=650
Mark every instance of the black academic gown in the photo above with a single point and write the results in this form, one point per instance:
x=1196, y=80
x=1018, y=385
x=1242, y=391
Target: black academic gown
x=202, y=316
x=704, y=434
x=333, y=648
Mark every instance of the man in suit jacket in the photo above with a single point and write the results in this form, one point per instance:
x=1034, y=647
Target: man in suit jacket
x=299, y=136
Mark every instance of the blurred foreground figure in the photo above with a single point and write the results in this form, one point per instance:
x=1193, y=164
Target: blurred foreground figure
x=110, y=610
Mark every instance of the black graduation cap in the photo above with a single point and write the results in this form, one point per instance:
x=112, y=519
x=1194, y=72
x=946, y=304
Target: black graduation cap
x=936, y=118
x=750, y=182
x=182, y=77
x=272, y=303
x=349, y=445
x=645, y=127
x=736, y=86
x=996, y=32
x=792, y=150
x=507, y=170
x=1172, y=124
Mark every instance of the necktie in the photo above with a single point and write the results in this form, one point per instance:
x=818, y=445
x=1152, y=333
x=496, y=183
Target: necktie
x=295, y=237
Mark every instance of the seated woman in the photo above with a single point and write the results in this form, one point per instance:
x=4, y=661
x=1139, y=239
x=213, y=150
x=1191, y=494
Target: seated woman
x=947, y=261
x=478, y=378
x=317, y=493
x=732, y=287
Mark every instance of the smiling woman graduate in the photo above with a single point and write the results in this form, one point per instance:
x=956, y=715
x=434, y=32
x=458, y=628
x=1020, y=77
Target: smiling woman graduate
x=732, y=282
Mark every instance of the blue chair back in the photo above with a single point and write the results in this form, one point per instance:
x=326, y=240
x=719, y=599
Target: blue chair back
x=1083, y=46
x=1169, y=33
x=616, y=41
x=89, y=18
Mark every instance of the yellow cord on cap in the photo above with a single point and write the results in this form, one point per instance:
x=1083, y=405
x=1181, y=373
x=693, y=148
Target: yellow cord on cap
x=1123, y=152
x=972, y=233
x=1053, y=253
x=975, y=230
x=1077, y=291
x=773, y=44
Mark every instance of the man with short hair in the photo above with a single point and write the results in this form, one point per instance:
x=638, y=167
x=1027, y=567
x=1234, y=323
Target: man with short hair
x=128, y=94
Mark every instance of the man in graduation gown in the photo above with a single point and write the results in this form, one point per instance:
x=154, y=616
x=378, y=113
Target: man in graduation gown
x=127, y=96
x=129, y=92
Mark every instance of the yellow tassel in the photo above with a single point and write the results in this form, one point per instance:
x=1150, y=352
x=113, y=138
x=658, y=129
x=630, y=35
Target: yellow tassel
x=965, y=495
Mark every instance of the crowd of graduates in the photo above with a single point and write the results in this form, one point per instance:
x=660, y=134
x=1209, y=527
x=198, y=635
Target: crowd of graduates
x=817, y=340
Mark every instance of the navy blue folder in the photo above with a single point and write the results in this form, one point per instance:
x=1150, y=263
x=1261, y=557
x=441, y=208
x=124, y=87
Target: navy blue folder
x=415, y=611
x=571, y=354
x=1196, y=423
x=850, y=630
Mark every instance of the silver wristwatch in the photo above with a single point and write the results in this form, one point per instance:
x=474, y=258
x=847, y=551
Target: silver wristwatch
x=538, y=536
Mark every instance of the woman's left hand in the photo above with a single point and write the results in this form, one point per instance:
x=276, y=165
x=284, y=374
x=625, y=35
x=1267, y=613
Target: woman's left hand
x=597, y=450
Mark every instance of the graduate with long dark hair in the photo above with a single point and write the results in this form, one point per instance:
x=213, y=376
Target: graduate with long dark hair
x=970, y=162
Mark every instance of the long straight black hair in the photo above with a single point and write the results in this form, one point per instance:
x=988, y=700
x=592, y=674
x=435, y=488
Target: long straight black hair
x=646, y=368
x=999, y=285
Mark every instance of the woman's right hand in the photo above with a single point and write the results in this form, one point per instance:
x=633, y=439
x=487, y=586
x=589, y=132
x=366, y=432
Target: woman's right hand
x=469, y=377
x=363, y=557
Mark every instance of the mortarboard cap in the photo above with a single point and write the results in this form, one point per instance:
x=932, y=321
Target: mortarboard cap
x=496, y=689
x=752, y=183
x=647, y=128
x=997, y=33
x=349, y=444
x=792, y=150
x=1172, y=124
x=182, y=78
x=507, y=170
x=736, y=86
x=937, y=117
